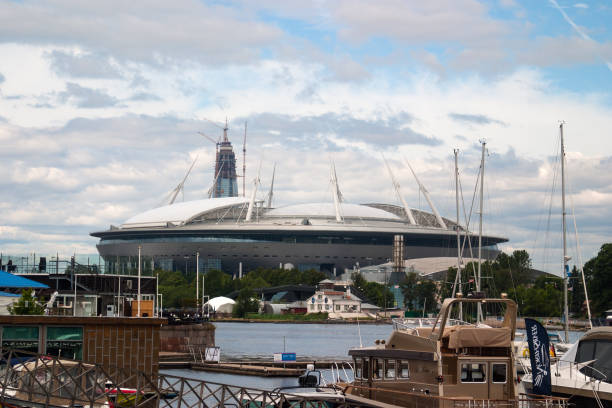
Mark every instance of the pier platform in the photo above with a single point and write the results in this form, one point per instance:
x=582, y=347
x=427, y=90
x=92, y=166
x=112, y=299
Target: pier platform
x=263, y=368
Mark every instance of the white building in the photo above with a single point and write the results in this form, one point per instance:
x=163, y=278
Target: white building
x=336, y=303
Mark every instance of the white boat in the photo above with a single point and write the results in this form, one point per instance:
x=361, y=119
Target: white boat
x=584, y=373
x=521, y=350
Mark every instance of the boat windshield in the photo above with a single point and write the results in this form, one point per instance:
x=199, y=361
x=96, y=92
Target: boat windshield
x=554, y=338
x=600, y=351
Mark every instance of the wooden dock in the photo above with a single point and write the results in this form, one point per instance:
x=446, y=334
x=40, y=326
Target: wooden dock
x=248, y=369
x=263, y=368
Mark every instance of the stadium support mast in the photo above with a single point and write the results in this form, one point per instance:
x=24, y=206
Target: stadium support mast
x=396, y=185
x=336, y=192
x=249, y=215
x=427, y=197
x=271, y=192
x=180, y=187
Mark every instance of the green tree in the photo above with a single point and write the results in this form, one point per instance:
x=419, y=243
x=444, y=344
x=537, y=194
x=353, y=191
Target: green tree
x=27, y=304
x=419, y=293
x=377, y=293
x=598, y=272
x=245, y=303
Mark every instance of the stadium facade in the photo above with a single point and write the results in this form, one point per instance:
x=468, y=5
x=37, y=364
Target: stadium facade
x=304, y=236
x=234, y=233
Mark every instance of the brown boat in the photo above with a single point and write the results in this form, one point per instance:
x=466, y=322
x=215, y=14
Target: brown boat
x=446, y=366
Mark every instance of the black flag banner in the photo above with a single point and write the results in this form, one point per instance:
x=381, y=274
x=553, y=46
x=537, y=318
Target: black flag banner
x=539, y=347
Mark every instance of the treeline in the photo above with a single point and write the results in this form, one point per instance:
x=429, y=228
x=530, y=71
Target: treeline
x=179, y=289
x=513, y=274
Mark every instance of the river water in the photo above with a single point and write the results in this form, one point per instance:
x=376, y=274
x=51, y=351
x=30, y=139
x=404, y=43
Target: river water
x=244, y=341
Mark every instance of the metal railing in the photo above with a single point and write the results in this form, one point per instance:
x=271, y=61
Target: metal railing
x=34, y=380
x=411, y=323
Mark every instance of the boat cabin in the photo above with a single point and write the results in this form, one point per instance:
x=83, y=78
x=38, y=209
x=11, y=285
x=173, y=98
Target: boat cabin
x=441, y=365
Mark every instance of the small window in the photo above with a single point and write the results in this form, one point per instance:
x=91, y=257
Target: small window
x=358, y=368
x=326, y=307
x=498, y=372
x=320, y=307
x=390, y=369
x=337, y=307
x=366, y=369
x=473, y=372
x=377, y=368
x=403, y=369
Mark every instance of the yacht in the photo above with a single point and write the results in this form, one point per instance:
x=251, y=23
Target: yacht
x=445, y=366
x=584, y=373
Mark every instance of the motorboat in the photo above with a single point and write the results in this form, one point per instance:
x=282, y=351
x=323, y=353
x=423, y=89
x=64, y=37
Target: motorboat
x=445, y=365
x=584, y=373
x=521, y=350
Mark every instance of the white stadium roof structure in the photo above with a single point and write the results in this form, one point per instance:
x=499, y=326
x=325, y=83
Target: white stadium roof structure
x=181, y=213
x=305, y=235
x=327, y=210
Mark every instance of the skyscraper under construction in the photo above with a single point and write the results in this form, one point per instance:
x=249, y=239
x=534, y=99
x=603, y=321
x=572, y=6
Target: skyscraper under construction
x=225, y=181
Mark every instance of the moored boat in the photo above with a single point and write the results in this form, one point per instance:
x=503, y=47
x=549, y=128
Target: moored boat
x=446, y=366
x=584, y=373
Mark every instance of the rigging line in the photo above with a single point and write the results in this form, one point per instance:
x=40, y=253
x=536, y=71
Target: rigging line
x=473, y=202
x=513, y=284
x=547, y=235
x=467, y=223
x=549, y=196
x=578, y=251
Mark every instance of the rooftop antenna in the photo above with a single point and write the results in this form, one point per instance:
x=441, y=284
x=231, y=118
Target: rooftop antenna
x=244, y=161
x=427, y=197
x=271, y=193
x=180, y=187
x=249, y=214
x=396, y=185
x=336, y=192
x=225, y=129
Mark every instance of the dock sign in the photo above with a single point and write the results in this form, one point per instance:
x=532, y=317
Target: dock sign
x=284, y=357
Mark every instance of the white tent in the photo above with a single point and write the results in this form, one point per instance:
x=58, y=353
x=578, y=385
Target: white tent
x=220, y=304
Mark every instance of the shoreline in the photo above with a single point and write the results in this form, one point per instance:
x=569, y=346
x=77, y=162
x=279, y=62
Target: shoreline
x=236, y=320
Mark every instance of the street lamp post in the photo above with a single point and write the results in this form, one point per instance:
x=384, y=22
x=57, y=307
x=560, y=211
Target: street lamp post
x=139, y=250
x=197, y=281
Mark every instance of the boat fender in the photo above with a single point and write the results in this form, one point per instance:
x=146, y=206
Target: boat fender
x=525, y=352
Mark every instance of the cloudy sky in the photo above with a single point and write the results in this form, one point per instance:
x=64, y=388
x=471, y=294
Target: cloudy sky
x=101, y=102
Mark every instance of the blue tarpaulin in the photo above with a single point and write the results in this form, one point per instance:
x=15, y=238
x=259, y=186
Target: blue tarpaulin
x=8, y=280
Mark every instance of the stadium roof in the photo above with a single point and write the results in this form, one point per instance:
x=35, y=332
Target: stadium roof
x=181, y=213
x=328, y=210
x=8, y=280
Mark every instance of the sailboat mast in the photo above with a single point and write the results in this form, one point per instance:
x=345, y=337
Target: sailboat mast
x=565, y=257
x=458, y=277
x=482, y=169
